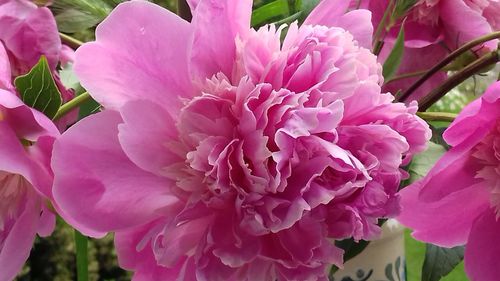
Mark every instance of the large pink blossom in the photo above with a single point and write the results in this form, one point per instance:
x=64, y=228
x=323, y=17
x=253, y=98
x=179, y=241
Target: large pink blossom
x=223, y=155
x=25, y=179
x=28, y=32
x=433, y=28
x=458, y=202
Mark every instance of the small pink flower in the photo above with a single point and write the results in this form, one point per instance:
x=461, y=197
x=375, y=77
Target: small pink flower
x=458, y=202
x=433, y=28
x=223, y=155
x=25, y=181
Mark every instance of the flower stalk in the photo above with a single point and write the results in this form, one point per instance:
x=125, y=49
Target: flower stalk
x=452, y=56
x=457, y=78
x=437, y=116
x=70, y=41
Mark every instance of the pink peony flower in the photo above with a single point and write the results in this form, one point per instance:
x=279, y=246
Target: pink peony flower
x=26, y=33
x=223, y=155
x=25, y=179
x=458, y=202
x=433, y=28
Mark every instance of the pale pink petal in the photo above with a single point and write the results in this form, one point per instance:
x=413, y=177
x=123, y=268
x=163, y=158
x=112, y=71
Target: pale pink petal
x=141, y=51
x=462, y=23
x=446, y=222
x=216, y=25
x=149, y=139
x=333, y=13
x=483, y=112
x=483, y=248
x=94, y=178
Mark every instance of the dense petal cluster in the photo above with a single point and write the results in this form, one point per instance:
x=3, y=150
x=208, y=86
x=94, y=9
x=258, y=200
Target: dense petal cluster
x=25, y=181
x=458, y=201
x=224, y=155
x=433, y=29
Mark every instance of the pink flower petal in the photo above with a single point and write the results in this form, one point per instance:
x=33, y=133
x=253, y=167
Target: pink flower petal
x=446, y=222
x=483, y=248
x=16, y=247
x=94, y=178
x=333, y=13
x=141, y=51
x=148, y=139
x=216, y=25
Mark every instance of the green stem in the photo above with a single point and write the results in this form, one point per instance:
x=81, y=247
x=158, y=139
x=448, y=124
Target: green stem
x=452, y=56
x=437, y=116
x=70, y=41
x=72, y=104
x=183, y=10
x=82, y=268
x=456, y=79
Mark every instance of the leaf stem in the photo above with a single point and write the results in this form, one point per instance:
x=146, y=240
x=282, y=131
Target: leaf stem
x=72, y=104
x=457, y=78
x=437, y=116
x=73, y=43
x=82, y=268
x=452, y=56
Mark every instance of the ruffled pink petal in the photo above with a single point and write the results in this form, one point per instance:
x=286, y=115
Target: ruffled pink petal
x=216, y=25
x=446, y=222
x=89, y=187
x=141, y=51
x=483, y=248
x=16, y=247
x=149, y=139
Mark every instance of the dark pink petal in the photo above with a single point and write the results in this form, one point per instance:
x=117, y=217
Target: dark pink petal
x=94, y=178
x=483, y=248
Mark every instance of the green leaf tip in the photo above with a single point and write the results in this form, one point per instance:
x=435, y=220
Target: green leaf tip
x=38, y=89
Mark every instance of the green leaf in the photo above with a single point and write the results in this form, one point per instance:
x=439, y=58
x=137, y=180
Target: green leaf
x=306, y=7
x=440, y=261
x=82, y=263
x=270, y=12
x=393, y=61
x=351, y=249
x=39, y=90
x=71, y=21
x=423, y=162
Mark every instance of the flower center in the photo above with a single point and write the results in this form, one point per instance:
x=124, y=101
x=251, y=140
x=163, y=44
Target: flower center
x=487, y=152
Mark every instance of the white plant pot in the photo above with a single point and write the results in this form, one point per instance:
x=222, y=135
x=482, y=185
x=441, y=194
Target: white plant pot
x=382, y=260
